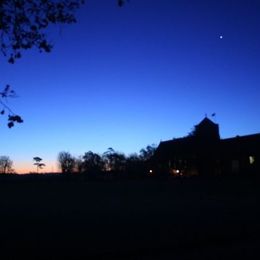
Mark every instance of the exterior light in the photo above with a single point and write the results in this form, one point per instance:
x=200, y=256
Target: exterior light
x=251, y=159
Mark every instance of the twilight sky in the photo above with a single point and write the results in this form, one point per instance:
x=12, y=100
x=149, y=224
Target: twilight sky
x=132, y=76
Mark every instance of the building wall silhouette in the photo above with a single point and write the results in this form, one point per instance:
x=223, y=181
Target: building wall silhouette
x=203, y=152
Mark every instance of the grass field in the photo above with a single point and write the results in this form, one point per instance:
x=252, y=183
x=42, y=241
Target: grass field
x=149, y=219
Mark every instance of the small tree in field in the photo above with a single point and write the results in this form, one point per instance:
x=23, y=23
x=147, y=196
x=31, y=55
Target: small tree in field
x=38, y=163
x=6, y=165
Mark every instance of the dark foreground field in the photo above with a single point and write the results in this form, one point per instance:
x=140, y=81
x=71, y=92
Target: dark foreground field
x=149, y=219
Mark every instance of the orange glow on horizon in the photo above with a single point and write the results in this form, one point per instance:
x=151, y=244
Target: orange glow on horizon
x=24, y=167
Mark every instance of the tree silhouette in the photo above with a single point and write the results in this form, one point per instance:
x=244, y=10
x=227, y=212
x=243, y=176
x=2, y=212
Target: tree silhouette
x=148, y=152
x=23, y=25
x=38, y=163
x=92, y=162
x=6, y=165
x=114, y=161
x=66, y=162
x=12, y=117
x=79, y=167
x=134, y=165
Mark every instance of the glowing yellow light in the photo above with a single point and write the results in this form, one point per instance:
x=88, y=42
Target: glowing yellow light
x=251, y=159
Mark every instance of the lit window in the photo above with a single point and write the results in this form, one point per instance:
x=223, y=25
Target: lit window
x=251, y=159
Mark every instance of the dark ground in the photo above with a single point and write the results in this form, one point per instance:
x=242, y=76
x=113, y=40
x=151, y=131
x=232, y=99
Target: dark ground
x=149, y=219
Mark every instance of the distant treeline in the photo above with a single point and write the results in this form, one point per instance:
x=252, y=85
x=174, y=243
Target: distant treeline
x=93, y=165
x=109, y=164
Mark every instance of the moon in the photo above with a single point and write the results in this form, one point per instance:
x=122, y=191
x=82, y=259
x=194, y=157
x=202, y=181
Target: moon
x=221, y=37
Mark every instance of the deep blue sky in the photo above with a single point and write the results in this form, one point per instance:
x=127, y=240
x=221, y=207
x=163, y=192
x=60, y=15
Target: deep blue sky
x=132, y=76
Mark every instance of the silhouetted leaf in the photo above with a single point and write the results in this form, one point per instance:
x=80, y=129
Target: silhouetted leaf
x=2, y=112
x=15, y=118
x=11, y=60
x=7, y=88
x=17, y=55
x=10, y=124
x=120, y=3
x=18, y=119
